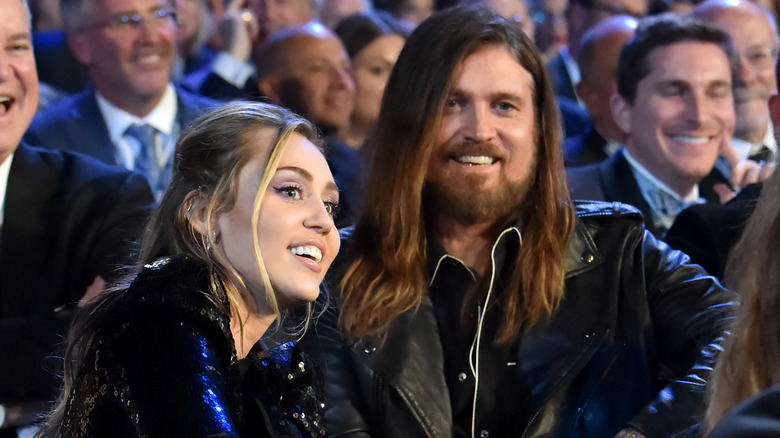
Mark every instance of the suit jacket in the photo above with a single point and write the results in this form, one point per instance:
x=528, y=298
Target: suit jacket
x=345, y=164
x=562, y=83
x=76, y=124
x=68, y=218
x=584, y=150
x=613, y=181
x=575, y=118
x=56, y=64
x=708, y=232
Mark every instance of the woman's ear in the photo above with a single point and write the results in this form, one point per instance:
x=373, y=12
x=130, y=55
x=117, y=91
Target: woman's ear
x=197, y=208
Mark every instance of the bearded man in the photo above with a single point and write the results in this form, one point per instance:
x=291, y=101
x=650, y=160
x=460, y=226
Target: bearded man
x=474, y=298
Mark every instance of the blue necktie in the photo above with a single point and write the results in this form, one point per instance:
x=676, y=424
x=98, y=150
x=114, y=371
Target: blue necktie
x=145, y=157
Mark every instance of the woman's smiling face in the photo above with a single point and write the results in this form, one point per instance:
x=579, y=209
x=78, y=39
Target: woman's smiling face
x=298, y=240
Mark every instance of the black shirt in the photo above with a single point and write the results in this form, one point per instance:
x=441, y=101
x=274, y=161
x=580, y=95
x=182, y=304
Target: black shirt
x=501, y=395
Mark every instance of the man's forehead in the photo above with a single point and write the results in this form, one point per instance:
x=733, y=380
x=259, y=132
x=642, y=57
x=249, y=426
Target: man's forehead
x=696, y=61
x=505, y=72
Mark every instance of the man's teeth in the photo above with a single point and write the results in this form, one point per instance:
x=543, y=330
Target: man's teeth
x=310, y=251
x=148, y=59
x=692, y=140
x=474, y=160
x=5, y=101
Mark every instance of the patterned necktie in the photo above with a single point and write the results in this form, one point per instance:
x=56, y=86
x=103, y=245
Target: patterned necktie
x=145, y=156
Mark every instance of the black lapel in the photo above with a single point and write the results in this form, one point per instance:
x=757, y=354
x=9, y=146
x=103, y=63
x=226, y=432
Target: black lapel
x=27, y=234
x=619, y=185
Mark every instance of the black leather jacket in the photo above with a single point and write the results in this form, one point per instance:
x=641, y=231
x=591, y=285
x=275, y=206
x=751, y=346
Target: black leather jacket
x=631, y=344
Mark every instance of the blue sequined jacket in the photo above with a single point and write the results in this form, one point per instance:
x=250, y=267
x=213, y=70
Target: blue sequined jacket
x=162, y=363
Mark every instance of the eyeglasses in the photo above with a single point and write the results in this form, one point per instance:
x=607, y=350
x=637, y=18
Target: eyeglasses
x=158, y=19
x=761, y=57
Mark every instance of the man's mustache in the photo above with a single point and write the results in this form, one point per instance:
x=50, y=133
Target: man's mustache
x=470, y=147
x=751, y=92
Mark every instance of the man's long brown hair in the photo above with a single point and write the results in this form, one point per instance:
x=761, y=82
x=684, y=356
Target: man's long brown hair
x=386, y=275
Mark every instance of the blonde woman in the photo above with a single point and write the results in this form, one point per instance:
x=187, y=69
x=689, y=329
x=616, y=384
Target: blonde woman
x=244, y=232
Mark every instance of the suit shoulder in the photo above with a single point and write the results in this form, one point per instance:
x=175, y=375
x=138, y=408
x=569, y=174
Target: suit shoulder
x=196, y=101
x=597, y=209
x=74, y=170
x=48, y=126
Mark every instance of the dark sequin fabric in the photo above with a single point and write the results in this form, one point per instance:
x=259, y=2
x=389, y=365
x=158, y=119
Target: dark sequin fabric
x=162, y=363
x=289, y=385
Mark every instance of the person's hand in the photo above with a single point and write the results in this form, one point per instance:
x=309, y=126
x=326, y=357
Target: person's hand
x=743, y=174
x=238, y=27
x=93, y=290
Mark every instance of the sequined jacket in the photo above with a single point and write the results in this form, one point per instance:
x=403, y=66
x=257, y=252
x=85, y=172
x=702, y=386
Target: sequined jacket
x=162, y=363
x=631, y=344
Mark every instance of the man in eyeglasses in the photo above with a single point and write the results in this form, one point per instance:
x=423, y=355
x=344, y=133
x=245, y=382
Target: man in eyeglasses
x=132, y=114
x=754, y=32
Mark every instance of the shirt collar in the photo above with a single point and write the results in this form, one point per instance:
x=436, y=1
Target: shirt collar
x=162, y=117
x=746, y=148
x=436, y=255
x=5, y=170
x=637, y=168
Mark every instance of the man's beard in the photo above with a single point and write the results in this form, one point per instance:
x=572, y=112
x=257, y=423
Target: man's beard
x=462, y=198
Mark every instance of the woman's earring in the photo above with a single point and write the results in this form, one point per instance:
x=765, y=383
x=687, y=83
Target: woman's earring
x=215, y=237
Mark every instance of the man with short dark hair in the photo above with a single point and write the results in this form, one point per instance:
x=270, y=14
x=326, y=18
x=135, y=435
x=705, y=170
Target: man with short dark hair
x=674, y=103
x=474, y=297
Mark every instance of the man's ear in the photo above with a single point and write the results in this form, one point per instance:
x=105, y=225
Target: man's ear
x=197, y=208
x=77, y=42
x=621, y=112
x=269, y=87
x=774, y=111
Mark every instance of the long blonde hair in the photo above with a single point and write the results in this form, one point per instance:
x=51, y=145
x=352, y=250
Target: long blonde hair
x=750, y=361
x=208, y=158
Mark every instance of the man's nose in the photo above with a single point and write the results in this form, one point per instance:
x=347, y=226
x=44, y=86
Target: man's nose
x=340, y=78
x=478, y=123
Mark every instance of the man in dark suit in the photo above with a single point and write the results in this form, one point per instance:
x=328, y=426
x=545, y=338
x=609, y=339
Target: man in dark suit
x=598, y=62
x=67, y=226
x=132, y=116
x=581, y=16
x=708, y=232
x=674, y=102
x=306, y=69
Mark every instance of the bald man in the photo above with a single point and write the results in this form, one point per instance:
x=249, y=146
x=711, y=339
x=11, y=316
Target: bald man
x=306, y=69
x=598, y=61
x=754, y=33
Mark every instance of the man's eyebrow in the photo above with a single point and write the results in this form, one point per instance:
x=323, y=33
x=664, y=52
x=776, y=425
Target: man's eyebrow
x=21, y=36
x=308, y=176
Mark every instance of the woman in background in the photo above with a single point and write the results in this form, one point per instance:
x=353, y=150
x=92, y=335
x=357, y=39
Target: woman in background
x=373, y=41
x=244, y=232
